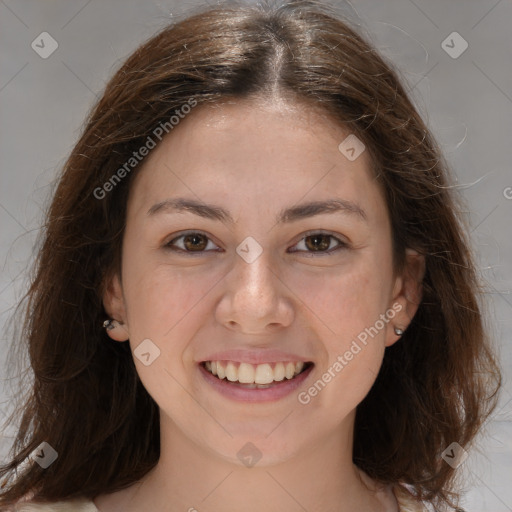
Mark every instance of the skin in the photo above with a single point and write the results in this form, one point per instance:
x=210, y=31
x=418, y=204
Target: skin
x=255, y=159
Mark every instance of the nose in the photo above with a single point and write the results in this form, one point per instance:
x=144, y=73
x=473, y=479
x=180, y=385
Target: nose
x=256, y=299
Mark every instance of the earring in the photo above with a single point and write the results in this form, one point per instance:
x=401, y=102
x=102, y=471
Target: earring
x=108, y=325
x=398, y=331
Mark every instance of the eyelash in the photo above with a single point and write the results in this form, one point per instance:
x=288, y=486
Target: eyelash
x=341, y=244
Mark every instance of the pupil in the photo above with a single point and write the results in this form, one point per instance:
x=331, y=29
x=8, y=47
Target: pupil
x=194, y=245
x=323, y=246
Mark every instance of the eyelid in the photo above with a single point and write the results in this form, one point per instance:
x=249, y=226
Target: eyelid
x=342, y=244
x=168, y=245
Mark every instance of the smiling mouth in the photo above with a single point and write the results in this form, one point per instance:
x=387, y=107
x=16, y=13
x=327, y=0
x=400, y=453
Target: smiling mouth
x=260, y=376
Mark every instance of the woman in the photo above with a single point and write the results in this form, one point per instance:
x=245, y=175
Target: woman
x=254, y=292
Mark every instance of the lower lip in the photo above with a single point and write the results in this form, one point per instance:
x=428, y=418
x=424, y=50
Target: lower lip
x=241, y=394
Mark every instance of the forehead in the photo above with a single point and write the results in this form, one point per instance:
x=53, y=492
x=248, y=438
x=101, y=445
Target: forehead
x=259, y=154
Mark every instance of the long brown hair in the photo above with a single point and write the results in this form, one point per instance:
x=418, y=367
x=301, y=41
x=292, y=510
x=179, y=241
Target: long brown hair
x=437, y=385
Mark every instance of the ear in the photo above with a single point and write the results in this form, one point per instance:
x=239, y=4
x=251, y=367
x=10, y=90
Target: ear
x=114, y=303
x=407, y=295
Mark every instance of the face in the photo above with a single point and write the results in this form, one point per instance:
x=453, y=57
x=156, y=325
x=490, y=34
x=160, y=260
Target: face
x=245, y=274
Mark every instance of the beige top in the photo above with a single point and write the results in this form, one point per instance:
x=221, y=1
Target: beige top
x=405, y=504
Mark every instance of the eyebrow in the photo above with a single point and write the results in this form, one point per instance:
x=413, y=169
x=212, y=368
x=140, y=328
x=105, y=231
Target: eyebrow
x=287, y=215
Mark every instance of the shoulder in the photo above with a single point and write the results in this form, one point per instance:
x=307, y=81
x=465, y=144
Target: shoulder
x=77, y=505
x=406, y=502
x=394, y=497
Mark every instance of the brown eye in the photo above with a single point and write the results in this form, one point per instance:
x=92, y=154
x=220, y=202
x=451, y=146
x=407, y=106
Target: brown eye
x=195, y=242
x=321, y=244
x=314, y=244
x=190, y=242
x=318, y=242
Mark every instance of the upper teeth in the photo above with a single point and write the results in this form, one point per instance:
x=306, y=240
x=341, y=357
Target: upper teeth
x=246, y=373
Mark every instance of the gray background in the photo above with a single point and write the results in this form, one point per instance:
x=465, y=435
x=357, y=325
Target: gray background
x=467, y=103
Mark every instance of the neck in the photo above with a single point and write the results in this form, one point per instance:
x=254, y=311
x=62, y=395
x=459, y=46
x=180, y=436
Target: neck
x=188, y=477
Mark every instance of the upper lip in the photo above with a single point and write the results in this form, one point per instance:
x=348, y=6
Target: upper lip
x=254, y=356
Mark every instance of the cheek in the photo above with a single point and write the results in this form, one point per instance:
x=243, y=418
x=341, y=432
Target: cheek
x=346, y=307
x=162, y=298
x=343, y=301
x=164, y=305
x=168, y=305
